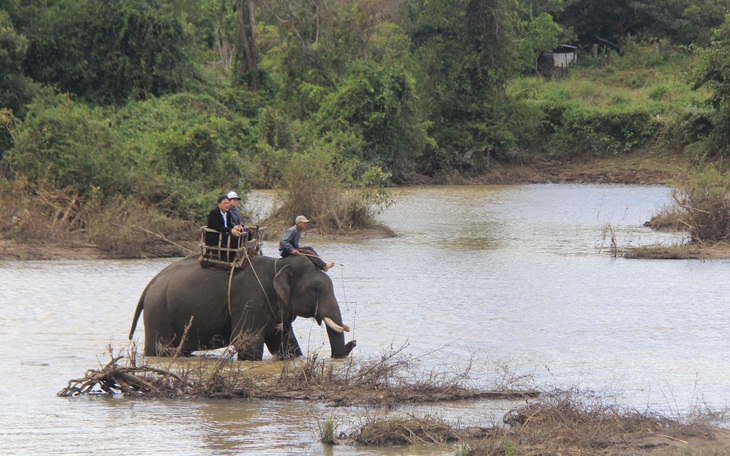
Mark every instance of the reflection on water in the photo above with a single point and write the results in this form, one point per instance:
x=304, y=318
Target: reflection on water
x=511, y=280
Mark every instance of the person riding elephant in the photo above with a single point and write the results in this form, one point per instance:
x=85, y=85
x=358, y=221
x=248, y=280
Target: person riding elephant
x=235, y=212
x=251, y=308
x=228, y=234
x=289, y=244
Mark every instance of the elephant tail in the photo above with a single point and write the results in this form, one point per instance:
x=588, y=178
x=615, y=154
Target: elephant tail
x=138, y=312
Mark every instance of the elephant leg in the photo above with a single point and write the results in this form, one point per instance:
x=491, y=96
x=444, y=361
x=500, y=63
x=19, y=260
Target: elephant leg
x=158, y=346
x=249, y=346
x=284, y=344
x=150, y=347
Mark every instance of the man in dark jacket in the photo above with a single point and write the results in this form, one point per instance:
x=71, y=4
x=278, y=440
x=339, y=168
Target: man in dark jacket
x=219, y=219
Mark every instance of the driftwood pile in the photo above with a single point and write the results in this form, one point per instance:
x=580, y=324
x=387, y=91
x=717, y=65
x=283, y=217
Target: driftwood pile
x=132, y=380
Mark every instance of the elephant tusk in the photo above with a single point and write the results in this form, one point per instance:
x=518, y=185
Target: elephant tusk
x=331, y=324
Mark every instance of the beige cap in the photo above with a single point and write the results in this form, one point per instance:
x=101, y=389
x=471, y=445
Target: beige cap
x=301, y=218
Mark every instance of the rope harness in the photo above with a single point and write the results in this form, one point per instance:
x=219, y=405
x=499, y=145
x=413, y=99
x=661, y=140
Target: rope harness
x=235, y=265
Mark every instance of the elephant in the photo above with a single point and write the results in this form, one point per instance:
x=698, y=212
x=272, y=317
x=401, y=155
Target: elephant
x=247, y=308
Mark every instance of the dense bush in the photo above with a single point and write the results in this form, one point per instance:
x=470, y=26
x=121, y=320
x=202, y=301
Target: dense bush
x=376, y=104
x=68, y=145
x=14, y=85
x=601, y=132
x=687, y=129
x=194, y=147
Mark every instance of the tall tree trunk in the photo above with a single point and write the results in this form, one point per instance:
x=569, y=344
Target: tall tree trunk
x=249, y=51
x=484, y=36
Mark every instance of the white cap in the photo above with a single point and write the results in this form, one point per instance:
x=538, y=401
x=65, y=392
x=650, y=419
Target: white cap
x=233, y=195
x=301, y=218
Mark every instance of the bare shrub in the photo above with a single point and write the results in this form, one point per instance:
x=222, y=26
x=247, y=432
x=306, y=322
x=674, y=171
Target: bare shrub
x=571, y=418
x=576, y=422
x=120, y=226
x=388, y=381
x=130, y=380
x=559, y=422
x=701, y=208
x=705, y=203
x=321, y=185
x=39, y=214
x=128, y=228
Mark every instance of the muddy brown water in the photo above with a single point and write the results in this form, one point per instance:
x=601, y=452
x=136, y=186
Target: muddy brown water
x=515, y=279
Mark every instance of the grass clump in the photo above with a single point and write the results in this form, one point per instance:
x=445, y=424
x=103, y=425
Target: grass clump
x=660, y=252
x=327, y=431
x=575, y=422
x=404, y=430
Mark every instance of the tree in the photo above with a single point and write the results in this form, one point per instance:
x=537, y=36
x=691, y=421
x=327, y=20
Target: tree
x=109, y=50
x=14, y=86
x=682, y=21
x=464, y=55
x=712, y=76
x=376, y=104
x=605, y=22
x=610, y=22
x=14, y=90
x=247, y=55
x=538, y=36
x=68, y=145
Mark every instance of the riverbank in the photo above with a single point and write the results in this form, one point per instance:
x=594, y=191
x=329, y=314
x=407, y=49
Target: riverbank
x=649, y=167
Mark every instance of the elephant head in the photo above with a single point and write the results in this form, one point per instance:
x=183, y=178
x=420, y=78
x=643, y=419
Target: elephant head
x=305, y=291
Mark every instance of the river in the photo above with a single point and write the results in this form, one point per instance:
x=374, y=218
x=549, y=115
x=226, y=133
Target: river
x=514, y=281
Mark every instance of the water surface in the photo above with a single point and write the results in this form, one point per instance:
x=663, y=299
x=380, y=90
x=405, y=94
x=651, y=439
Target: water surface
x=516, y=281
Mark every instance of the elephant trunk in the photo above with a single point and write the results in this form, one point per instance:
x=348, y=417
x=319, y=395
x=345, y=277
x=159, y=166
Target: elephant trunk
x=339, y=348
x=335, y=333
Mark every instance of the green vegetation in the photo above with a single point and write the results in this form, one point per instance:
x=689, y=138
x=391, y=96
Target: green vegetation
x=129, y=117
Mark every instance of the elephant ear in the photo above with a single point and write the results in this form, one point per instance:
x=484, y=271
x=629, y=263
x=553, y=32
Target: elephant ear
x=282, y=284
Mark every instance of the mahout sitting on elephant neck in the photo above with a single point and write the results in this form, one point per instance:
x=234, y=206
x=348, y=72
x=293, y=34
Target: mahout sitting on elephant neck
x=265, y=298
x=289, y=244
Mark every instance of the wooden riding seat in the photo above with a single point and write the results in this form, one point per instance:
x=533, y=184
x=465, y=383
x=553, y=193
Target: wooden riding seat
x=221, y=250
